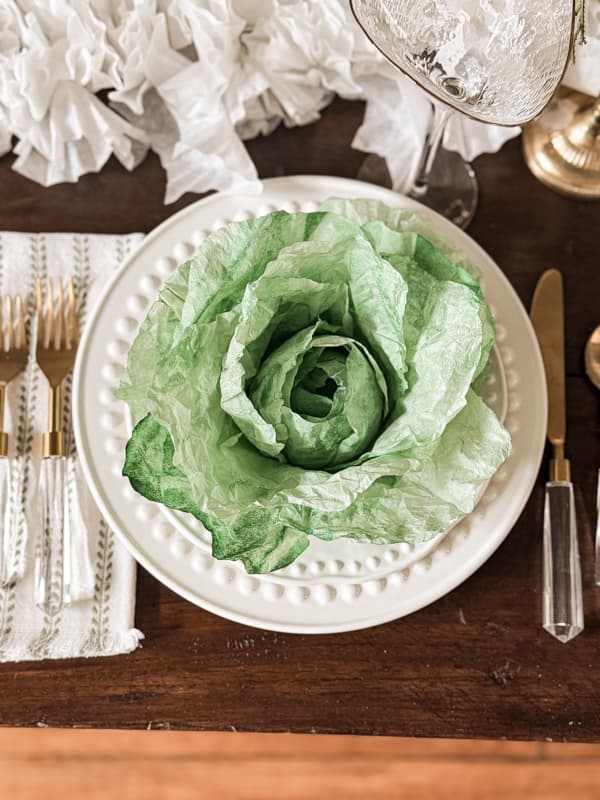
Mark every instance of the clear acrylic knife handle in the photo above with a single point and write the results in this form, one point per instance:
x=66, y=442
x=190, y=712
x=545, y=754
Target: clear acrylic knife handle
x=563, y=601
x=53, y=552
x=597, y=565
x=7, y=528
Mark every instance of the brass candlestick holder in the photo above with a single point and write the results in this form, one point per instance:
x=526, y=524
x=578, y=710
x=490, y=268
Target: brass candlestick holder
x=568, y=160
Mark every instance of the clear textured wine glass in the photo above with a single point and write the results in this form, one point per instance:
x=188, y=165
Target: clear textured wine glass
x=497, y=61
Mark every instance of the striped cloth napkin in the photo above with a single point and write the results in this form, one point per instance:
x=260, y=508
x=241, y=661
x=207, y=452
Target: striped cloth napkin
x=100, y=622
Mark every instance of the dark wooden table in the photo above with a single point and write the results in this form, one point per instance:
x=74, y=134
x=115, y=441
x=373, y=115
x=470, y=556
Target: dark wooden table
x=476, y=663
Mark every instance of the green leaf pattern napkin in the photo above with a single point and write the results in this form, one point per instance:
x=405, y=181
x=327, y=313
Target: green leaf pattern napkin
x=104, y=572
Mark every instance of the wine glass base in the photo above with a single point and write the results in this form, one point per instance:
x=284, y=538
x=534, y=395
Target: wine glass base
x=452, y=189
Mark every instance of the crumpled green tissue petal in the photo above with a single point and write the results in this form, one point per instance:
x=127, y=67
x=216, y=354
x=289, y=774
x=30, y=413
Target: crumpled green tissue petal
x=315, y=375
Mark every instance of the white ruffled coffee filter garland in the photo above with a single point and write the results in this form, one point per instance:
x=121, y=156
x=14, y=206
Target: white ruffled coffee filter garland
x=190, y=79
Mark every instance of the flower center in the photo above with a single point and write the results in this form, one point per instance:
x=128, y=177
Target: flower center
x=325, y=397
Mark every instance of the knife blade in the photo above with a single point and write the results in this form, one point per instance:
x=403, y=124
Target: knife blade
x=563, y=601
x=547, y=316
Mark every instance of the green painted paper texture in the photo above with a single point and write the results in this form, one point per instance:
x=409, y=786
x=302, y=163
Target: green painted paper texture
x=312, y=375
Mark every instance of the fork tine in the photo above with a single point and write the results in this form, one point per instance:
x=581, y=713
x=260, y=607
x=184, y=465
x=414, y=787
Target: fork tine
x=49, y=335
x=61, y=323
x=9, y=320
x=74, y=323
x=21, y=338
x=39, y=311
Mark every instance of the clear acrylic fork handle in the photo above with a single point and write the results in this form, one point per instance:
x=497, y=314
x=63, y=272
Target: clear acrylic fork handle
x=53, y=551
x=8, y=568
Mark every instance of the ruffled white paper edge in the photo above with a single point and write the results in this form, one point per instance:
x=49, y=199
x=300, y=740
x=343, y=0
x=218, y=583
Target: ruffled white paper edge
x=191, y=79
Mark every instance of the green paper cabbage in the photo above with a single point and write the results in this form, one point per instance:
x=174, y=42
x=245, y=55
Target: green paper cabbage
x=312, y=374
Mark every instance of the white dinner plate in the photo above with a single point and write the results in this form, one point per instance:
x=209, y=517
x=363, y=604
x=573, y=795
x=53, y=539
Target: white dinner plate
x=333, y=586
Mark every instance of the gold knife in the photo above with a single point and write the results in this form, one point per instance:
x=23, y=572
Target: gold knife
x=563, y=602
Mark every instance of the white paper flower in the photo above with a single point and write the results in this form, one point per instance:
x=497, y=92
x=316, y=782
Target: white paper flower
x=50, y=71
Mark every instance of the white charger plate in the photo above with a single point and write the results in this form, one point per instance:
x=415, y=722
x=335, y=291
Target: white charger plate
x=334, y=586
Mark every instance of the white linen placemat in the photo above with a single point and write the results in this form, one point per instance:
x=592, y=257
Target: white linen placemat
x=104, y=573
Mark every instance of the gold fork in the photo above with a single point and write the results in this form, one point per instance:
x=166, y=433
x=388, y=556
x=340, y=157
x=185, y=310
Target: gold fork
x=57, y=340
x=13, y=357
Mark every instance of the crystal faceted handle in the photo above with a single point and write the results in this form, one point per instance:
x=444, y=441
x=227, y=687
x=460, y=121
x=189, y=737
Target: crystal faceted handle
x=7, y=527
x=563, y=602
x=597, y=567
x=53, y=552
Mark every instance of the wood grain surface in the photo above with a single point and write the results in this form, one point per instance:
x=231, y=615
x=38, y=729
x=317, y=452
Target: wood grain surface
x=476, y=663
x=97, y=765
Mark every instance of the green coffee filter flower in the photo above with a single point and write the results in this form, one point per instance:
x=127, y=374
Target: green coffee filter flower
x=312, y=375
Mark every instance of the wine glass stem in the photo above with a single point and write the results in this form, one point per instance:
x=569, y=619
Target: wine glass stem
x=433, y=138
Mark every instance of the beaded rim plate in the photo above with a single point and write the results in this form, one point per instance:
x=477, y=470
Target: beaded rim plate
x=334, y=586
